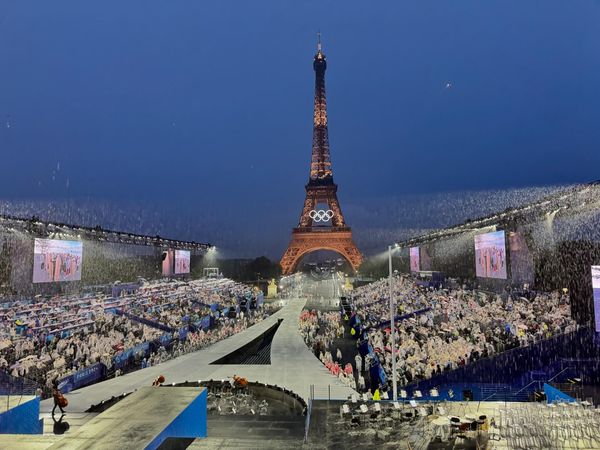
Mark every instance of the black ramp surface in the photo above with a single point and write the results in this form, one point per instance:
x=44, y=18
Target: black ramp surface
x=257, y=351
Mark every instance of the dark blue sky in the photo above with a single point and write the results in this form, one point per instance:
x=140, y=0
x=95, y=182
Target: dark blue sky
x=204, y=109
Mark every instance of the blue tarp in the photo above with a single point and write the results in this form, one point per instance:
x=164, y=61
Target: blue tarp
x=206, y=322
x=553, y=394
x=183, y=333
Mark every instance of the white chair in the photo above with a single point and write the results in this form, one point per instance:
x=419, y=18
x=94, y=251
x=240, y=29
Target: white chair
x=413, y=403
x=377, y=407
x=403, y=394
x=364, y=409
x=418, y=394
x=396, y=405
x=345, y=409
x=354, y=399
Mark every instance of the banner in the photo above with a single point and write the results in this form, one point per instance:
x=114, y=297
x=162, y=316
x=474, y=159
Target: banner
x=150, y=323
x=122, y=359
x=83, y=377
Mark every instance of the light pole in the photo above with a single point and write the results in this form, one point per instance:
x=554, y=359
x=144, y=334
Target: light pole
x=392, y=326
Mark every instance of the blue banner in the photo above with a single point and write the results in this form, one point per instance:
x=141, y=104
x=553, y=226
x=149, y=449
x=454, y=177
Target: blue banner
x=122, y=359
x=150, y=323
x=83, y=377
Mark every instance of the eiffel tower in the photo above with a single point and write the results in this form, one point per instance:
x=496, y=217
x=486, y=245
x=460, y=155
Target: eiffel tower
x=322, y=225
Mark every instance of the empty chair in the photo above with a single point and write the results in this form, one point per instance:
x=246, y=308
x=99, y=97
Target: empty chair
x=364, y=409
x=418, y=394
x=403, y=394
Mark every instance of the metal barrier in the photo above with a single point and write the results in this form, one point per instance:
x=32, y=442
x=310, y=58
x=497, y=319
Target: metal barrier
x=330, y=392
x=308, y=413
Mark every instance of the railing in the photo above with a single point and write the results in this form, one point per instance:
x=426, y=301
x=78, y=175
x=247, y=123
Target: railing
x=319, y=229
x=560, y=373
x=330, y=392
x=308, y=413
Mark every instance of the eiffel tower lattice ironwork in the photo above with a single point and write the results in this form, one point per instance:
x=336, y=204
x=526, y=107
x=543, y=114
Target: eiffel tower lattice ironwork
x=321, y=225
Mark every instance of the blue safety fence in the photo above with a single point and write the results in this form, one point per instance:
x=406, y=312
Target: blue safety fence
x=10, y=385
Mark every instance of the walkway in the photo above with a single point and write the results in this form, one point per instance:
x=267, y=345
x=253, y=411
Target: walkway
x=293, y=366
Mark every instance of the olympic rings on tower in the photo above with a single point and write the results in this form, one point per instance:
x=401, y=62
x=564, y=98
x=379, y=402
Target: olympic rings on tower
x=321, y=215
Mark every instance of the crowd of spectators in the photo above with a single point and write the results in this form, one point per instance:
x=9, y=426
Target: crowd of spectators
x=453, y=327
x=46, y=339
x=320, y=330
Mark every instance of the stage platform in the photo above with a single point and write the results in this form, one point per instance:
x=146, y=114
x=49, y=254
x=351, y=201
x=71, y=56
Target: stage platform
x=293, y=366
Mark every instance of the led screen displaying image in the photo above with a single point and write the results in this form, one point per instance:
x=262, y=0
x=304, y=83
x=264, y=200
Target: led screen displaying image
x=414, y=259
x=57, y=260
x=168, y=262
x=490, y=255
x=182, y=261
x=596, y=288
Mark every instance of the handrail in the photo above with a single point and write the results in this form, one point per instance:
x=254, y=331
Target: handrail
x=525, y=387
x=564, y=370
x=308, y=413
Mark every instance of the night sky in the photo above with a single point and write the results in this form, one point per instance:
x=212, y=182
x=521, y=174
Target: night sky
x=193, y=119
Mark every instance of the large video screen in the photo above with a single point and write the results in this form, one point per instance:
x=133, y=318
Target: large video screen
x=56, y=260
x=414, y=259
x=182, y=261
x=490, y=255
x=424, y=258
x=596, y=288
x=168, y=262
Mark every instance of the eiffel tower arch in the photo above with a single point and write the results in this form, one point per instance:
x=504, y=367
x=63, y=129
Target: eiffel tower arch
x=321, y=225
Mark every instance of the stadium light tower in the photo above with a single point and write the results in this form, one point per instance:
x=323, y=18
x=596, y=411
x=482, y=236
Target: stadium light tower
x=392, y=325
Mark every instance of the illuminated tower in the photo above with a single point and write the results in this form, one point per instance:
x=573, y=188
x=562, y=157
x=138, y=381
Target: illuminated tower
x=321, y=225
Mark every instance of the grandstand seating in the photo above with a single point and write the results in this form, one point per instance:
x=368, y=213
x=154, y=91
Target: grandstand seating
x=46, y=339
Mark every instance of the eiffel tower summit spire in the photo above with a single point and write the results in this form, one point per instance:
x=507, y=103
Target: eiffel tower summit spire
x=321, y=225
x=320, y=166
